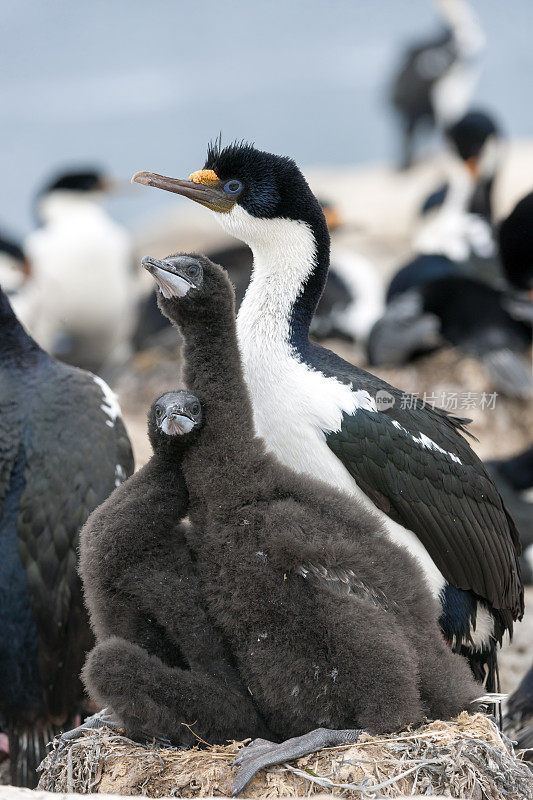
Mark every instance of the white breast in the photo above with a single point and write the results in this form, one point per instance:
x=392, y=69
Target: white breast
x=293, y=408
x=81, y=264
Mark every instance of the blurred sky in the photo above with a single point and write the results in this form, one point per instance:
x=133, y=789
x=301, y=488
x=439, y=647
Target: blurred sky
x=143, y=84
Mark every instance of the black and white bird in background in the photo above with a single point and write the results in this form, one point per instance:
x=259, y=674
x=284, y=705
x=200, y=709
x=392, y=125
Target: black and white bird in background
x=327, y=418
x=434, y=83
x=435, y=301
x=477, y=148
x=76, y=249
x=63, y=449
x=457, y=219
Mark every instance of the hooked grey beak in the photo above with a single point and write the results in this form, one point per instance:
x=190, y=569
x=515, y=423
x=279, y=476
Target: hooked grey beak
x=212, y=196
x=176, y=422
x=169, y=282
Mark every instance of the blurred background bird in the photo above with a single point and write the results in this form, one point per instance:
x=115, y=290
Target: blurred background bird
x=437, y=76
x=76, y=247
x=434, y=301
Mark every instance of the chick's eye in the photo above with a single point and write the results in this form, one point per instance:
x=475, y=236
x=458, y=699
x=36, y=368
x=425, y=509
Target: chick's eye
x=192, y=270
x=195, y=409
x=158, y=412
x=232, y=187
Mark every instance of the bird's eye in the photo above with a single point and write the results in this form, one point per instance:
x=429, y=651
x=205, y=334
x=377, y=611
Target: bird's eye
x=158, y=412
x=192, y=270
x=195, y=408
x=232, y=187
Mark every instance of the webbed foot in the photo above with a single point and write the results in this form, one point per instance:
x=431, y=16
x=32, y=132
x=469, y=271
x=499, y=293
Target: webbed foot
x=260, y=753
x=254, y=748
x=102, y=719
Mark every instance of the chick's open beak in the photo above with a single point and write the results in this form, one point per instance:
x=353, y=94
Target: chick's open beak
x=208, y=192
x=177, y=421
x=167, y=276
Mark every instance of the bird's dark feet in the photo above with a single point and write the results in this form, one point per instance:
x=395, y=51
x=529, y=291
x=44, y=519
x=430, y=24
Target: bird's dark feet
x=261, y=753
x=102, y=719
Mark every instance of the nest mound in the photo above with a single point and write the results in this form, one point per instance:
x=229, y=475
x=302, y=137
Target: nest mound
x=464, y=758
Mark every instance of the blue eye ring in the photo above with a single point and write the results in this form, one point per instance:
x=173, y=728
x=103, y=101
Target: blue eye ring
x=232, y=187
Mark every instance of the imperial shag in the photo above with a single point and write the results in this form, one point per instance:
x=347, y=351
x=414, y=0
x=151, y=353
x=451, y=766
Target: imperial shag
x=437, y=77
x=158, y=662
x=514, y=479
x=432, y=302
x=331, y=626
x=516, y=248
x=327, y=418
x=77, y=249
x=476, y=142
x=63, y=449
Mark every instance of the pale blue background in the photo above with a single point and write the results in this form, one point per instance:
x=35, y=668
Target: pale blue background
x=143, y=84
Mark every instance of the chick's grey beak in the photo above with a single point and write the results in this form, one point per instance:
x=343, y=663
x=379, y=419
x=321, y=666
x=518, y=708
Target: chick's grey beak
x=176, y=423
x=170, y=284
x=212, y=196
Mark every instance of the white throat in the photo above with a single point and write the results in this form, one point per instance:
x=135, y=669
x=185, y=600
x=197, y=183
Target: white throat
x=294, y=404
x=284, y=252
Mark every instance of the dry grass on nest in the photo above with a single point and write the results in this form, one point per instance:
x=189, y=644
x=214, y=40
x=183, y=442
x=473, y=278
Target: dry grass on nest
x=465, y=758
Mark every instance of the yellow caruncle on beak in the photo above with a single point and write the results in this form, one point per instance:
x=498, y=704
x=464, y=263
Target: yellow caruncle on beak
x=206, y=176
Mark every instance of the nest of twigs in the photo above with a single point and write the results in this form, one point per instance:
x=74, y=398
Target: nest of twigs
x=465, y=758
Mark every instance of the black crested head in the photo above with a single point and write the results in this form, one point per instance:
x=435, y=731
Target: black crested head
x=174, y=420
x=86, y=180
x=264, y=200
x=471, y=132
x=265, y=184
x=516, y=244
x=273, y=187
x=190, y=286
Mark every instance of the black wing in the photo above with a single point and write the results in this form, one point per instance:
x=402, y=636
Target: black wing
x=416, y=466
x=11, y=428
x=75, y=458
